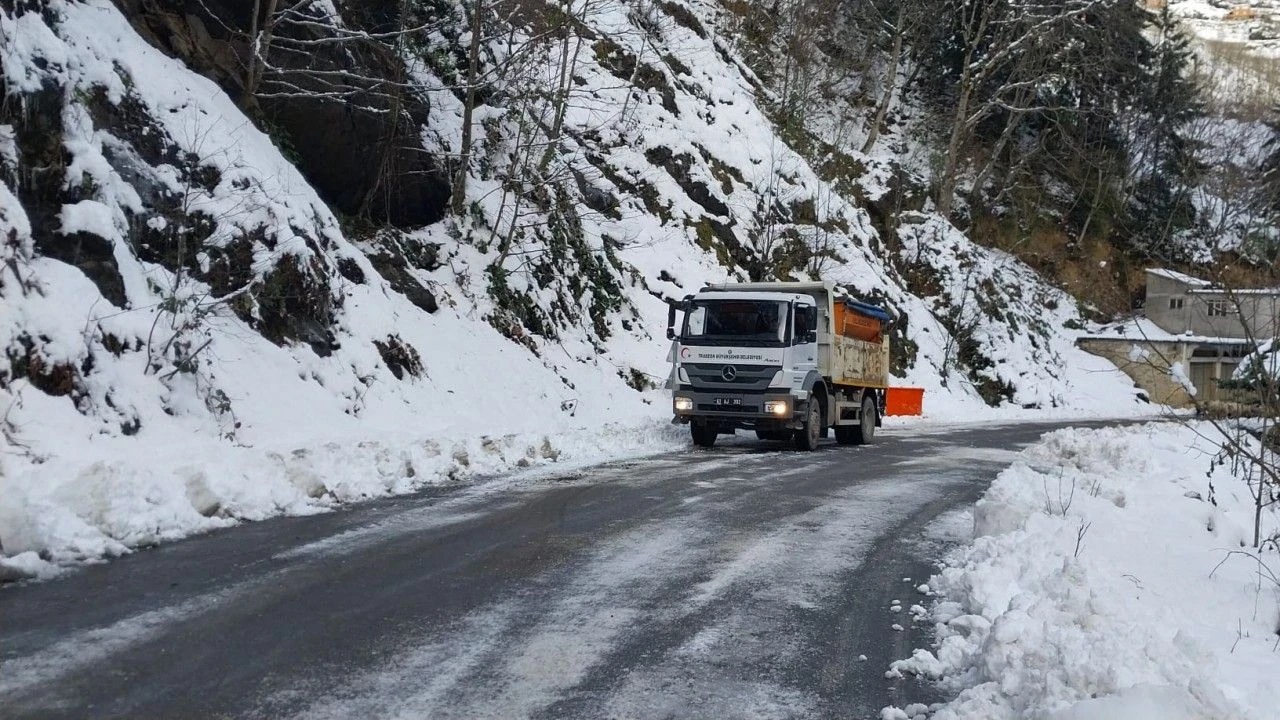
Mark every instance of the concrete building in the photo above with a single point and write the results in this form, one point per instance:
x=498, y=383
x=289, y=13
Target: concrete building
x=1184, y=305
x=1193, y=335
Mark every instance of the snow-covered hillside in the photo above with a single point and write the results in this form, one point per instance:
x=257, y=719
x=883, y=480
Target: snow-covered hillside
x=1112, y=576
x=1238, y=45
x=193, y=337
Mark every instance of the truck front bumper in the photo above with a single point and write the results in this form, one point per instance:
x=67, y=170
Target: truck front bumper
x=765, y=410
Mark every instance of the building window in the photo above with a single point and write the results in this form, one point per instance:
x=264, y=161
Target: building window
x=1175, y=303
x=1220, y=308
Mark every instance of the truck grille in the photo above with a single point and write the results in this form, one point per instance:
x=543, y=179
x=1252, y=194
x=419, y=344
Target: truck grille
x=727, y=376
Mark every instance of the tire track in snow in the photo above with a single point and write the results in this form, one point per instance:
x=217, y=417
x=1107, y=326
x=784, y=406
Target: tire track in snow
x=518, y=654
x=735, y=590
x=709, y=584
x=35, y=676
x=731, y=652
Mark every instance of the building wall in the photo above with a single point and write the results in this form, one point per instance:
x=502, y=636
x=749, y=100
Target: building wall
x=1151, y=373
x=1160, y=291
x=1178, y=308
x=1257, y=313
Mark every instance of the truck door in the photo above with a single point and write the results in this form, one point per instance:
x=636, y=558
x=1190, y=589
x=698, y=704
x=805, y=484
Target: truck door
x=804, y=346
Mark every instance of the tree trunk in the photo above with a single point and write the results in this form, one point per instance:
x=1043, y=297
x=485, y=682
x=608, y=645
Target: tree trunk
x=568, y=65
x=947, y=183
x=886, y=92
x=464, y=149
x=386, y=153
x=260, y=38
x=1259, y=495
x=1011, y=126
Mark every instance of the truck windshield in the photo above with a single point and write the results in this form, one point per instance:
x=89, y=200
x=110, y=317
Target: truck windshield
x=736, y=322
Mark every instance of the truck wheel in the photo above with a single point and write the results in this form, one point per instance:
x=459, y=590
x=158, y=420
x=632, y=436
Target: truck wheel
x=703, y=435
x=865, y=432
x=807, y=437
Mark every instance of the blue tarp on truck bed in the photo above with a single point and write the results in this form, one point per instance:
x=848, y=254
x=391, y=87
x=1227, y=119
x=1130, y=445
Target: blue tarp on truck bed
x=869, y=310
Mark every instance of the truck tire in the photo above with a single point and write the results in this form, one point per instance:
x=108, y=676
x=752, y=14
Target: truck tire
x=865, y=431
x=807, y=437
x=703, y=435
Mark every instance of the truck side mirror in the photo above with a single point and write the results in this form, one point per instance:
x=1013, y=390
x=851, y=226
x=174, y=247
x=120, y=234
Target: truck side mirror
x=671, y=333
x=671, y=322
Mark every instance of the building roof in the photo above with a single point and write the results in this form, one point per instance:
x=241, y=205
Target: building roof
x=1204, y=287
x=1141, y=329
x=1237, y=291
x=1179, y=277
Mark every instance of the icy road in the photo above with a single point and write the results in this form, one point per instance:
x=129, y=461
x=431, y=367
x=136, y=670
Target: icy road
x=743, y=581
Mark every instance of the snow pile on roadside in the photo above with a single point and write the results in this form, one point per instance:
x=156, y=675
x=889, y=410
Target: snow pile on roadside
x=128, y=501
x=1102, y=584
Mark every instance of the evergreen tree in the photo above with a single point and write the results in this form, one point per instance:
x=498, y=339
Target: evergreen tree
x=1073, y=90
x=1162, y=156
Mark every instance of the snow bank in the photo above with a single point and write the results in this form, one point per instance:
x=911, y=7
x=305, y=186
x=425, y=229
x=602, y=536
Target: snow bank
x=1099, y=585
x=122, y=499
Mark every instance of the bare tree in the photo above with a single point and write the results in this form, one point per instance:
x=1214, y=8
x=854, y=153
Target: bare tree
x=468, y=107
x=1244, y=425
x=896, y=21
x=1007, y=52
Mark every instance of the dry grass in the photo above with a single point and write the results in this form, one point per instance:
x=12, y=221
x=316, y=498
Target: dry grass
x=1091, y=269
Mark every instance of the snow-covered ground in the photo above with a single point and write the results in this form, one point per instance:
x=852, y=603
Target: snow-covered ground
x=1140, y=329
x=1110, y=575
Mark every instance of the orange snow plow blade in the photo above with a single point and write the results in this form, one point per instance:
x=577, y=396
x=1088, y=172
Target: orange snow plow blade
x=904, y=401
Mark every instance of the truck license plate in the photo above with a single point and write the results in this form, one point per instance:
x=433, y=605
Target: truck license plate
x=728, y=401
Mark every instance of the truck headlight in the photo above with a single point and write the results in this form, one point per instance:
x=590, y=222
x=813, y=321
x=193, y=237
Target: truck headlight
x=684, y=404
x=777, y=407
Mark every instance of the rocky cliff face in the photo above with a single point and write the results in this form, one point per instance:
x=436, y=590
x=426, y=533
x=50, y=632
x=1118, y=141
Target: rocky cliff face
x=361, y=155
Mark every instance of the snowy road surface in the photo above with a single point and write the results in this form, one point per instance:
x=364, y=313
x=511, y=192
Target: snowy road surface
x=738, y=582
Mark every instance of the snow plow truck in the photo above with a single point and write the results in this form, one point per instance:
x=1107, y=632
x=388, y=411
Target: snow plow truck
x=790, y=360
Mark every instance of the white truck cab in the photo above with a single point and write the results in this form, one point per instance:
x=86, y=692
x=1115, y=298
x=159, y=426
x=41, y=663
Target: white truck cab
x=789, y=360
